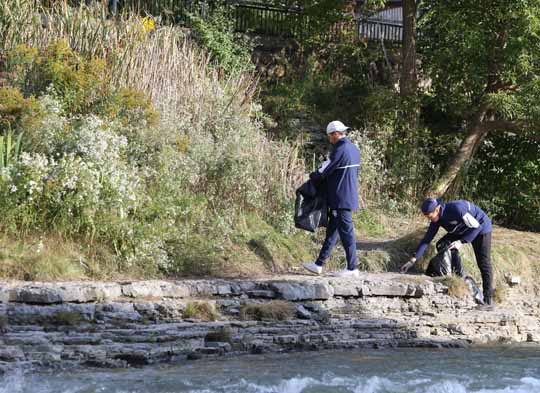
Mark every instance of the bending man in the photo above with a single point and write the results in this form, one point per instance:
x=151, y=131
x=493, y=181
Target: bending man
x=465, y=223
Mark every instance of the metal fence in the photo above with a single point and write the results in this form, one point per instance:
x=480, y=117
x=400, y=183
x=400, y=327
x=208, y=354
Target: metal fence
x=378, y=30
x=261, y=19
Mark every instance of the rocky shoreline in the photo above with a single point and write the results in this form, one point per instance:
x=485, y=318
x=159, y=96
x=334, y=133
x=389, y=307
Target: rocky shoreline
x=121, y=324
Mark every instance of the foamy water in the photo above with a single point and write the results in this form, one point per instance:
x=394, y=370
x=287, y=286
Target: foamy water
x=502, y=370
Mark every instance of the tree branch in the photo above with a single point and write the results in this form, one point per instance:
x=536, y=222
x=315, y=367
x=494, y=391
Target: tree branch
x=506, y=125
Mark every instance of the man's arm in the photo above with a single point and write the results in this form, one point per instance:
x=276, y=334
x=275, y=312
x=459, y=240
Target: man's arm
x=331, y=165
x=428, y=237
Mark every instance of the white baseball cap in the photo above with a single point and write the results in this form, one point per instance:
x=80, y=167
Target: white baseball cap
x=334, y=126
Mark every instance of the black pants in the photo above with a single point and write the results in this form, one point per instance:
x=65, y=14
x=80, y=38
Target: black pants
x=482, y=252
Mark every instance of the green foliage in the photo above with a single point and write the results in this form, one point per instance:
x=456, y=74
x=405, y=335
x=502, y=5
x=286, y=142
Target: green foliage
x=314, y=20
x=155, y=194
x=78, y=81
x=479, y=52
x=10, y=149
x=130, y=106
x=327, y=81
x=17, y=112
x=367, y=222
x=504, y=178
x=482, y=57
x=230, y=51
x=43, y=256
x=82, y=85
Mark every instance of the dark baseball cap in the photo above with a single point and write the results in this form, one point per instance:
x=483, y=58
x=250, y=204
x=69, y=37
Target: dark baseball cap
x=430, y=204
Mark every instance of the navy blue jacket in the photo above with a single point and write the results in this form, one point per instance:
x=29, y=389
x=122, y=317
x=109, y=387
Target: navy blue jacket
x=461, y=218
x=341, y=175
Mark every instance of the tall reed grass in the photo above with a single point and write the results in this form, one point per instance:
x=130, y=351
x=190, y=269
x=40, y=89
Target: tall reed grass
x=177, y=75
x=205, y=166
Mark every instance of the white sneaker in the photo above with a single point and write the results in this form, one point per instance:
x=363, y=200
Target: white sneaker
x=347, y=273
x=313, y=267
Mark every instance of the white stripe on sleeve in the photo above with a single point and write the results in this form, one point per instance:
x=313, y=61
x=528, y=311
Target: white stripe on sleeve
x=470, y=221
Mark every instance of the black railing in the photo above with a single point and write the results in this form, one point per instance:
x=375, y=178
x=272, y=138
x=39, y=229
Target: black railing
x=271, y=21
x=372, y=29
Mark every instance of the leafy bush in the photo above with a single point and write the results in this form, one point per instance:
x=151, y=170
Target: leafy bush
x=160, y=180
x=82, y=85
x=17, y=112
x=507, y=187
x=230, y=50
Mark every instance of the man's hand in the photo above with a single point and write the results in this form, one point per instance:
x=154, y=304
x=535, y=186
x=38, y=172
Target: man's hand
x=323, y=166
x=455, y=245
x=407, y=265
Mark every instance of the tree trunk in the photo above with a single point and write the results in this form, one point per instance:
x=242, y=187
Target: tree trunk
x=408, y=79
x=475, y=135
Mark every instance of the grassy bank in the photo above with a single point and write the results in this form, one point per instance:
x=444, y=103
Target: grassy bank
x=257, y=249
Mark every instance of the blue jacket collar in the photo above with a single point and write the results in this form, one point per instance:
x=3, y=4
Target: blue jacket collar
x=342, y=140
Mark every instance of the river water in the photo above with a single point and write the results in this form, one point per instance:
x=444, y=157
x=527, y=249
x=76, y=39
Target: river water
x=486, y=370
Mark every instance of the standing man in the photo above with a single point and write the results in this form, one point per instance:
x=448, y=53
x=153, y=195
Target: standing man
x=465, y=223
x=340, y=174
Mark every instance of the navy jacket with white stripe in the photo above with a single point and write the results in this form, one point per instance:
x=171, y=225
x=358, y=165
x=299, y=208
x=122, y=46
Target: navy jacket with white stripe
x=461, y=218
x=341, y=175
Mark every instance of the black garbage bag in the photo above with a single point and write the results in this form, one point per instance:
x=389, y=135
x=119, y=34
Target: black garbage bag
x=448, y=261
x=310, y=209
x=445, y=262
x=441, y=264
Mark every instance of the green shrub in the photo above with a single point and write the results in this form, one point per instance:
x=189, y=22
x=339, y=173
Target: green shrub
x=230, y=51
x=130, y=106
x=79, y=82
x=16, y=112
x=10, y=149
x=158, y=194
x=506, y=187
x=81, y=85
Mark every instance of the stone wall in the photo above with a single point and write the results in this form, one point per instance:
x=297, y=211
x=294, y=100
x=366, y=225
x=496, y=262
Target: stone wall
x=135, y=323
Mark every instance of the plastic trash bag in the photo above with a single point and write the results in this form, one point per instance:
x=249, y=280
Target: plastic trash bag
x=475, y=291
x=441, y=264
x=446, y=262
x=310, y=209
